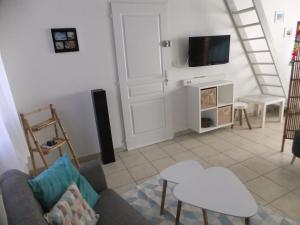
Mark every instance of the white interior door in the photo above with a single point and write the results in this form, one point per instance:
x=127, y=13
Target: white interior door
x=139, y=30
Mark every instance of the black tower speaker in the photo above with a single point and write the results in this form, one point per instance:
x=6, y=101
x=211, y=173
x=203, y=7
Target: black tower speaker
x=103, y=125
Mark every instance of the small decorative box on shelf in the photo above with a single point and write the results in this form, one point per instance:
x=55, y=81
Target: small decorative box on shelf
x=210, y=101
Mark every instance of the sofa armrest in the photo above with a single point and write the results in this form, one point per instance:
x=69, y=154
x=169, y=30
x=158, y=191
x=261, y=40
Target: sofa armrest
x=19, y=202
x=93, y=172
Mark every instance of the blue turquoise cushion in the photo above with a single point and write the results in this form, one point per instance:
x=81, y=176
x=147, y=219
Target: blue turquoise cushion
x=50, y=185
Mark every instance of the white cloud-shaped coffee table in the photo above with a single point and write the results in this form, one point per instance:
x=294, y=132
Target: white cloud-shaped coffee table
x=216, y=189
x=178, y=173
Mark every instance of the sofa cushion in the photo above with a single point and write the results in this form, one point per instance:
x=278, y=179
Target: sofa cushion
x=116, y=211
x=72, y=209
x=49, y=186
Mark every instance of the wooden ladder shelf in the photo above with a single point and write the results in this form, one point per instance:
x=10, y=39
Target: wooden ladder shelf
x=33, y=143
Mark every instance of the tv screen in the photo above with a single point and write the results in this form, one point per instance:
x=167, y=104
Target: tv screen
x=209, y=50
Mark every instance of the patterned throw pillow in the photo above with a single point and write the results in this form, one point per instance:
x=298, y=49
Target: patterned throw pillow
x=72, y=209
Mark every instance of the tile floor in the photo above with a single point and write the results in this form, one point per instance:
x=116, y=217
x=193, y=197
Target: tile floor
x=253, y=155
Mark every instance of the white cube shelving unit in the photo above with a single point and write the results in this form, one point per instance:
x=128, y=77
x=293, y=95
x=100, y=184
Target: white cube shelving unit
x=212, y=100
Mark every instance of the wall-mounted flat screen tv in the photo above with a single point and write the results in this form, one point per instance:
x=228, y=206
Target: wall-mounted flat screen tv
x=209, y=50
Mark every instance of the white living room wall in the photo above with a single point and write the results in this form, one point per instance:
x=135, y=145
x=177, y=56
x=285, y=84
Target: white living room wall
x=38, y=76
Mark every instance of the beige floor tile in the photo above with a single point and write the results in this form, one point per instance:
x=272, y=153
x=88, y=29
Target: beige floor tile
x=297, y=191
x=142, y=171
x=256, y=148
x=113, y=167
x=134, y=160
x=118, y=179
x=221, y=146
x=207, y=138
x=272, y=209
x=266, y=189
x=149, y=148
x=165, y=143
x=125, y=188
x=273, y=143
x=238, y=140
x=290, y=205
x=182, y=138
x=141, y=181
x=221, y=160
x=204, y=151
x=284, y=178
x=294, y=168
x=185, y=156
x=162, y=164
x=238, y=154
x=258, y=199
x=204, y=163
x=125, y=153
x=243, y=172
x=259, y=165
x=190, y=143
x=277, y=158
x=224, y=133
x=173, y=149
x=155, y=154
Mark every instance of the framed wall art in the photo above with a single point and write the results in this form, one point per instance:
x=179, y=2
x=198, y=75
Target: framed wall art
x=65, y=40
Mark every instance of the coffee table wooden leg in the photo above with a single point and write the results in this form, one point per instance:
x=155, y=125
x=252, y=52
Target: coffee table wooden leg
x=178, y=213
x=205, y=216
x=163, y=197
x=247, y=221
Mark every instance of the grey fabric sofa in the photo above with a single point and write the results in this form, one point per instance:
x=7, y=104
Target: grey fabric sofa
x=23, y=209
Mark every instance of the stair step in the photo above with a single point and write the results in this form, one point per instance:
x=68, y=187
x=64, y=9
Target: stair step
x=271, y=85
x=243, y=10
x=283, y=96
x=267, y=75
x=253, y=39
x=262, y=63
x=248, y=25
x=258, y=51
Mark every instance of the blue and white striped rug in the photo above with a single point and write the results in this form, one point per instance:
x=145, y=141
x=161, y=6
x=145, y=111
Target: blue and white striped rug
x=146, y=198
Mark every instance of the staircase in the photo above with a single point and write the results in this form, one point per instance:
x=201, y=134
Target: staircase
x=252, y=30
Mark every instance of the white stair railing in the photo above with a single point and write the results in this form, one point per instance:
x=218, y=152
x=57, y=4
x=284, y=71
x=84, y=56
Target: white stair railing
x=256, y=41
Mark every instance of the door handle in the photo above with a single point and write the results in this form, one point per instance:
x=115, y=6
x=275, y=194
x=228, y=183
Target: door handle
x=166, y=80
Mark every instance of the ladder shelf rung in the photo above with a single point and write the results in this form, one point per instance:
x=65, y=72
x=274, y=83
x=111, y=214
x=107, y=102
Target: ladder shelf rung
x=248, y=25
x=59, y=142
x=243, y=10
x=43, y=124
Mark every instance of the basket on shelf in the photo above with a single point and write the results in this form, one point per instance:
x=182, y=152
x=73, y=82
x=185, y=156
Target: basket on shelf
x=206, y=122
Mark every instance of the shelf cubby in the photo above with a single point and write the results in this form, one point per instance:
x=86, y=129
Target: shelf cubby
x=213, y=100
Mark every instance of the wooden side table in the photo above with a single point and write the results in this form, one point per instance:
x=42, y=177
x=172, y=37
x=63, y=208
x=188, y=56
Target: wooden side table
x=264, y=101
